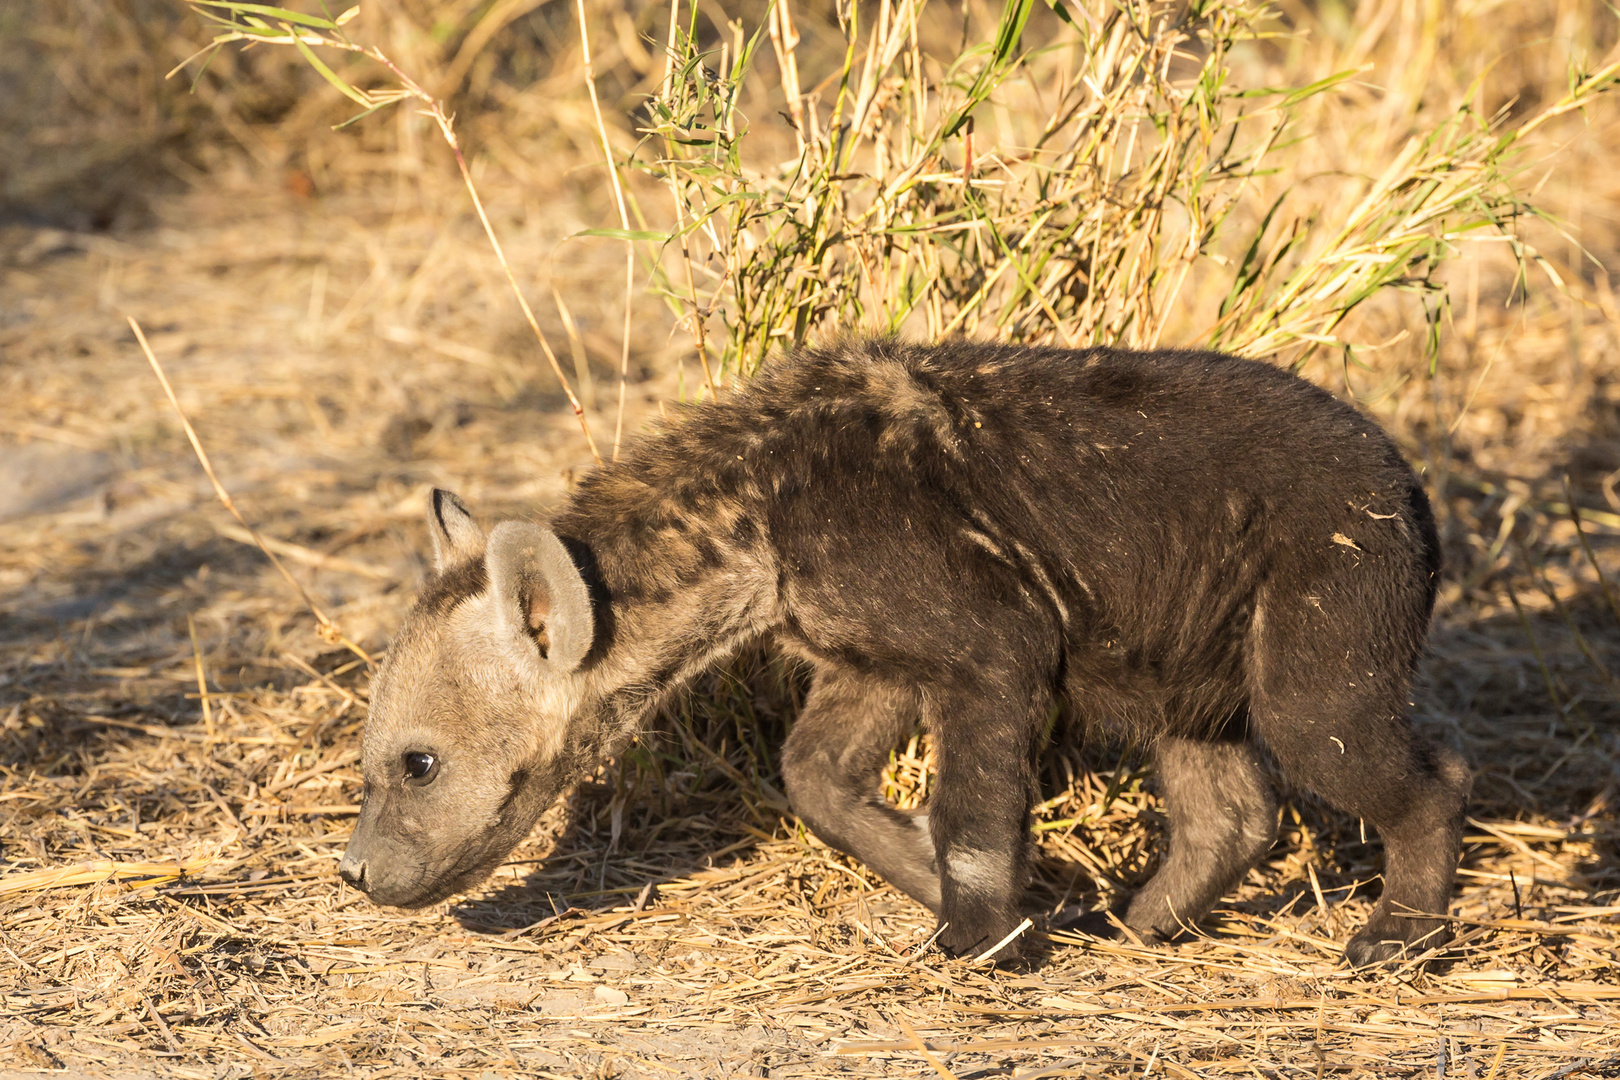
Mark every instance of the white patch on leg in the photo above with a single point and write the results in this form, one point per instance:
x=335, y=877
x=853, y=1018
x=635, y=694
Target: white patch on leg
x=984, y=872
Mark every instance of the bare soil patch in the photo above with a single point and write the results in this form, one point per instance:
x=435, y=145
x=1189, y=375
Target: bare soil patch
x=178, y=745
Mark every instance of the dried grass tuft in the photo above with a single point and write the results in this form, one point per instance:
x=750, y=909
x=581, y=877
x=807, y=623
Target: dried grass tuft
x=168, y=903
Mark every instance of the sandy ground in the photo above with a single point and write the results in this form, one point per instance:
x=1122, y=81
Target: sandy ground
x=760, y=953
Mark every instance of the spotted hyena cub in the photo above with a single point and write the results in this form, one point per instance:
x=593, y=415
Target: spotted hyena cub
x=1204, y=554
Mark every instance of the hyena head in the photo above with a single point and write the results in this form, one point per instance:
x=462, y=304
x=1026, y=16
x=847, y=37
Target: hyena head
x=467, y=739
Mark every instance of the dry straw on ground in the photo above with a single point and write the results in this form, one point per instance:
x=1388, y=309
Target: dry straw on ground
x=178, y=742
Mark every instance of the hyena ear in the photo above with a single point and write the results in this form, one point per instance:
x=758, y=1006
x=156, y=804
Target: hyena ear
x=539, y=594
x=456, y=537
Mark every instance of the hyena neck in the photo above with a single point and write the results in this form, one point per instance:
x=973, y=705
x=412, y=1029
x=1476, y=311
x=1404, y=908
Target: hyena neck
x=679, y=584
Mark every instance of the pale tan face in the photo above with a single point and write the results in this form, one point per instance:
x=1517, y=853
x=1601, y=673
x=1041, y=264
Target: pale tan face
x=454, y=778
x=464, y=747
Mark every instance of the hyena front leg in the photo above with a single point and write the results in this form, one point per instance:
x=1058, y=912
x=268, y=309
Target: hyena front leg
x=831, y=766
x=1223, y=817
x=979, y=815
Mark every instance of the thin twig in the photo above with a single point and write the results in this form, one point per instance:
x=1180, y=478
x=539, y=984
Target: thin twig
x=202, y=680
x=1586, y=548
x=624, y=223
x=998, y=946
x=437, y=112
x=328, y=629
x=922, y=1048
x=434, y=108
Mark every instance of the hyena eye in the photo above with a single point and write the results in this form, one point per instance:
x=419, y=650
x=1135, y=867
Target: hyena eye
x=420, y=765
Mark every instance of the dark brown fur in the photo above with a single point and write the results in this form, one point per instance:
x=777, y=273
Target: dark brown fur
x=1200, y=553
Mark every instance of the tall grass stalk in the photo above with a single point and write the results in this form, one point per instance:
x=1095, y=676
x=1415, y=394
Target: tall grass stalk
x=328, y=629
x=624, y=222
x=1054, y=193
x=263, y=24
x=1064, y=192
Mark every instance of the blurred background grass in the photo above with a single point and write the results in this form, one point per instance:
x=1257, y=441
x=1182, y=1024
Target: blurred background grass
x=330, y=307
x=325, y=294
x=340, y=333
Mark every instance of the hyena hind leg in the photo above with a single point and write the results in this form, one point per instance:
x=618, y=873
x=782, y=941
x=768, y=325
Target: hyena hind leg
x=1413, y=794
x=1223, y=817
x=1421, y=846
x=831, y=766
x=1339, y=728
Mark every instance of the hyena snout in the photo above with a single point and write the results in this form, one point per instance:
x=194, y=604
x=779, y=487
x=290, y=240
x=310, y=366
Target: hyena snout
x=353, y=870
x=387, y=871
x=390, y=881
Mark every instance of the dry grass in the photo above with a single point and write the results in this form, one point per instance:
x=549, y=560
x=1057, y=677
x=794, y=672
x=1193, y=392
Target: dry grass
x=329, y=313
x=1110, y=182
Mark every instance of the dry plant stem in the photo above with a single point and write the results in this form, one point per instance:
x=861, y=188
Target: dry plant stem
x=435, y=109
x=785, y=42
x=202, y=678
x=624, y=223
x=328, y=629
x=998, y=946
x=1586, y=549
x=162, y=1025
x=922, y=1048
x=576, y=346
x=303, y=38
x=94, y=871
x=1535, y=646
x=300, y=554
x=697, y=314
x=437, y=112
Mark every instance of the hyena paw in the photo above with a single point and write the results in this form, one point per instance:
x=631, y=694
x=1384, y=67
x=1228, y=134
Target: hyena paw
x=968, y=938
x=1387, y=942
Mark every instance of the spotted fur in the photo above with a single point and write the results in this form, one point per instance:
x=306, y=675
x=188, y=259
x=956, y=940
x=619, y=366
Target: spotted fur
x=1199, y=553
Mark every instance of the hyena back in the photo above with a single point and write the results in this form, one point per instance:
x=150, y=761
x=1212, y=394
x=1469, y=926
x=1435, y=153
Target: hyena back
x=1203, y=554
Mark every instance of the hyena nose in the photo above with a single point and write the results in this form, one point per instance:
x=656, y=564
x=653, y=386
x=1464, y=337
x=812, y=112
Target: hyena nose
x=353, y=871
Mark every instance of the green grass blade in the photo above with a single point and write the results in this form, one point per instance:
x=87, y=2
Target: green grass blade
x=627, y=234
x=331, y=76
x=267, y=11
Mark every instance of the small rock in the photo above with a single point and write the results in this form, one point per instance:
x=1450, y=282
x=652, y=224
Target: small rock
x=609, y=996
